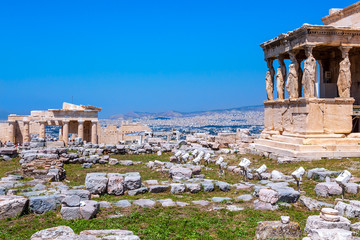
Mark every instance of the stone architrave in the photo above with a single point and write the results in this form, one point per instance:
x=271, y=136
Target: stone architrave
x=308, y=79
x=270, y=79
x=292, y=83
x=280, y=78
x=344, y=79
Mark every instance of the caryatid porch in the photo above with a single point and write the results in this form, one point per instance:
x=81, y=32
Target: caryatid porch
x=322, y=82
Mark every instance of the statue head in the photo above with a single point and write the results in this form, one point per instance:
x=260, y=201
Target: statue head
x=308, y=50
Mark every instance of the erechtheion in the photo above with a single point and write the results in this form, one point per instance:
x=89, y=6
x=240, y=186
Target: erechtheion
x=322, y=85
x=78, y=119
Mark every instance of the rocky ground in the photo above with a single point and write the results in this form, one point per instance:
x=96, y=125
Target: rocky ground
x=158, y=199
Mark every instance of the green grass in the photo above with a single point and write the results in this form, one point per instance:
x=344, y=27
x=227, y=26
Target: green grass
x=176, y=223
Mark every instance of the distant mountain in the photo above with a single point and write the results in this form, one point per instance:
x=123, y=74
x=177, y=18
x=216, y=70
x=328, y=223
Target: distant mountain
x=175, y=114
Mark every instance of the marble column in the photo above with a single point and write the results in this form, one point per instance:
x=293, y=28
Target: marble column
x=292, y=83
x=26, y=136
x=308, y=79
x=344, y=78
x=65, y=131
x=81, y=129
x=42, y=129
x=269, y=80
x=300, y=75
x=11, y=131
x=280, y=78
x=94, y=132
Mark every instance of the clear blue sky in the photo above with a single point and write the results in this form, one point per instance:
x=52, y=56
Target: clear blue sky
x=148, y=56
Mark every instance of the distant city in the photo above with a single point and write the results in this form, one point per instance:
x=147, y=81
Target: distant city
x=211, y=122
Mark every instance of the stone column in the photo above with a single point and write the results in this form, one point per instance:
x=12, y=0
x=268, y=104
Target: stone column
x=94, y=132
x=66, y=131
x=308, y=79
x=300, y=75
x=42, y=129
x=292, y=83
x=280, y=78
x=11, y=130
x=26, y=136
x=269, y=80
x=81, y=129
x=344, y=78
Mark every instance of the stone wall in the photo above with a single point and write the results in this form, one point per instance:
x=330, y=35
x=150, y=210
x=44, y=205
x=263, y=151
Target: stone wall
x=309, y=116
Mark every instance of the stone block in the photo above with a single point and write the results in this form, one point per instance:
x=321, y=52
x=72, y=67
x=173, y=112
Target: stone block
x=278, y=230
x=12, y=206
x=115, y=185
x=132, y=181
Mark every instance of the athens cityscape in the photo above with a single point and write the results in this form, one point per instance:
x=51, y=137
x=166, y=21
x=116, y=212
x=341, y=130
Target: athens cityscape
x=127, y=120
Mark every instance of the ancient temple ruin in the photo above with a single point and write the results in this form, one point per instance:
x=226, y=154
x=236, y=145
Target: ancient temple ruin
x=315, y=113
x=77, y=119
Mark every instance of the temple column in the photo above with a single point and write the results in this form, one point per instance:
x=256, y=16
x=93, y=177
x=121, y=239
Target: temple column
x=66, y=131
x=308, y=79
x=94, y=132
x=300, y=75
x=81, y=129
x=292, y=83
x=269, y=80
x=42, y=129
x=280, y=78
x=26, y=136
x=11, y=131
x=344, y=78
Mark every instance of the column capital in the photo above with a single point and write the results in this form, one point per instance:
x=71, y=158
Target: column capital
x=94, y=121
x=65, y=121
x=81, y=121
x=345, y=51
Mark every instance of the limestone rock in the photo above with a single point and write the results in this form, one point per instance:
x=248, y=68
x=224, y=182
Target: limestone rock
x=115, y=185
x=138, y=191
x=132, y=181
x=208, y=186
x=70, y=213
x=89, y=209
x=42, y=204
x=223, y=186
x=177, y=188
x=278, y=230
x=201, y=202
x=326, y=189
x=145, y=203
x=158, y=188
x=316, y=222
x=96, y=184
x=180, y=172
x=331, y=234
x=12, y=206
x=193, y=187
x=122, y=203
x=260, y=205
x=71, y=201
x=63, y=232
x=268, y=196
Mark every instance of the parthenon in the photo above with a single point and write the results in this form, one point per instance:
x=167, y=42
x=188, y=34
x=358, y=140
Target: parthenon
x=314, y=114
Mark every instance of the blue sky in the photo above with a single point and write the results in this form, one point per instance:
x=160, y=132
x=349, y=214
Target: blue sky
x=148, y=56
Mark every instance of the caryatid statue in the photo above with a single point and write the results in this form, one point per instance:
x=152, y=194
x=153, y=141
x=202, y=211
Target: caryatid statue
x=269, y=79
x=280, y=78
x=308, y=79
x=292, y=83
x=344, y=79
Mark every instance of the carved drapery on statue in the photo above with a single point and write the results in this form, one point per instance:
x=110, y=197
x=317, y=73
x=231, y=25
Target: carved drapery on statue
x=344, y=79
x=280, y=78
x=308, y=79
x=270, y=79
x=292, y=83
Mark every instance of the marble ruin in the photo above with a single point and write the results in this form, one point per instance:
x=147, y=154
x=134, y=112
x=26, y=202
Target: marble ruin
x=77, y=119
x=319, y=117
